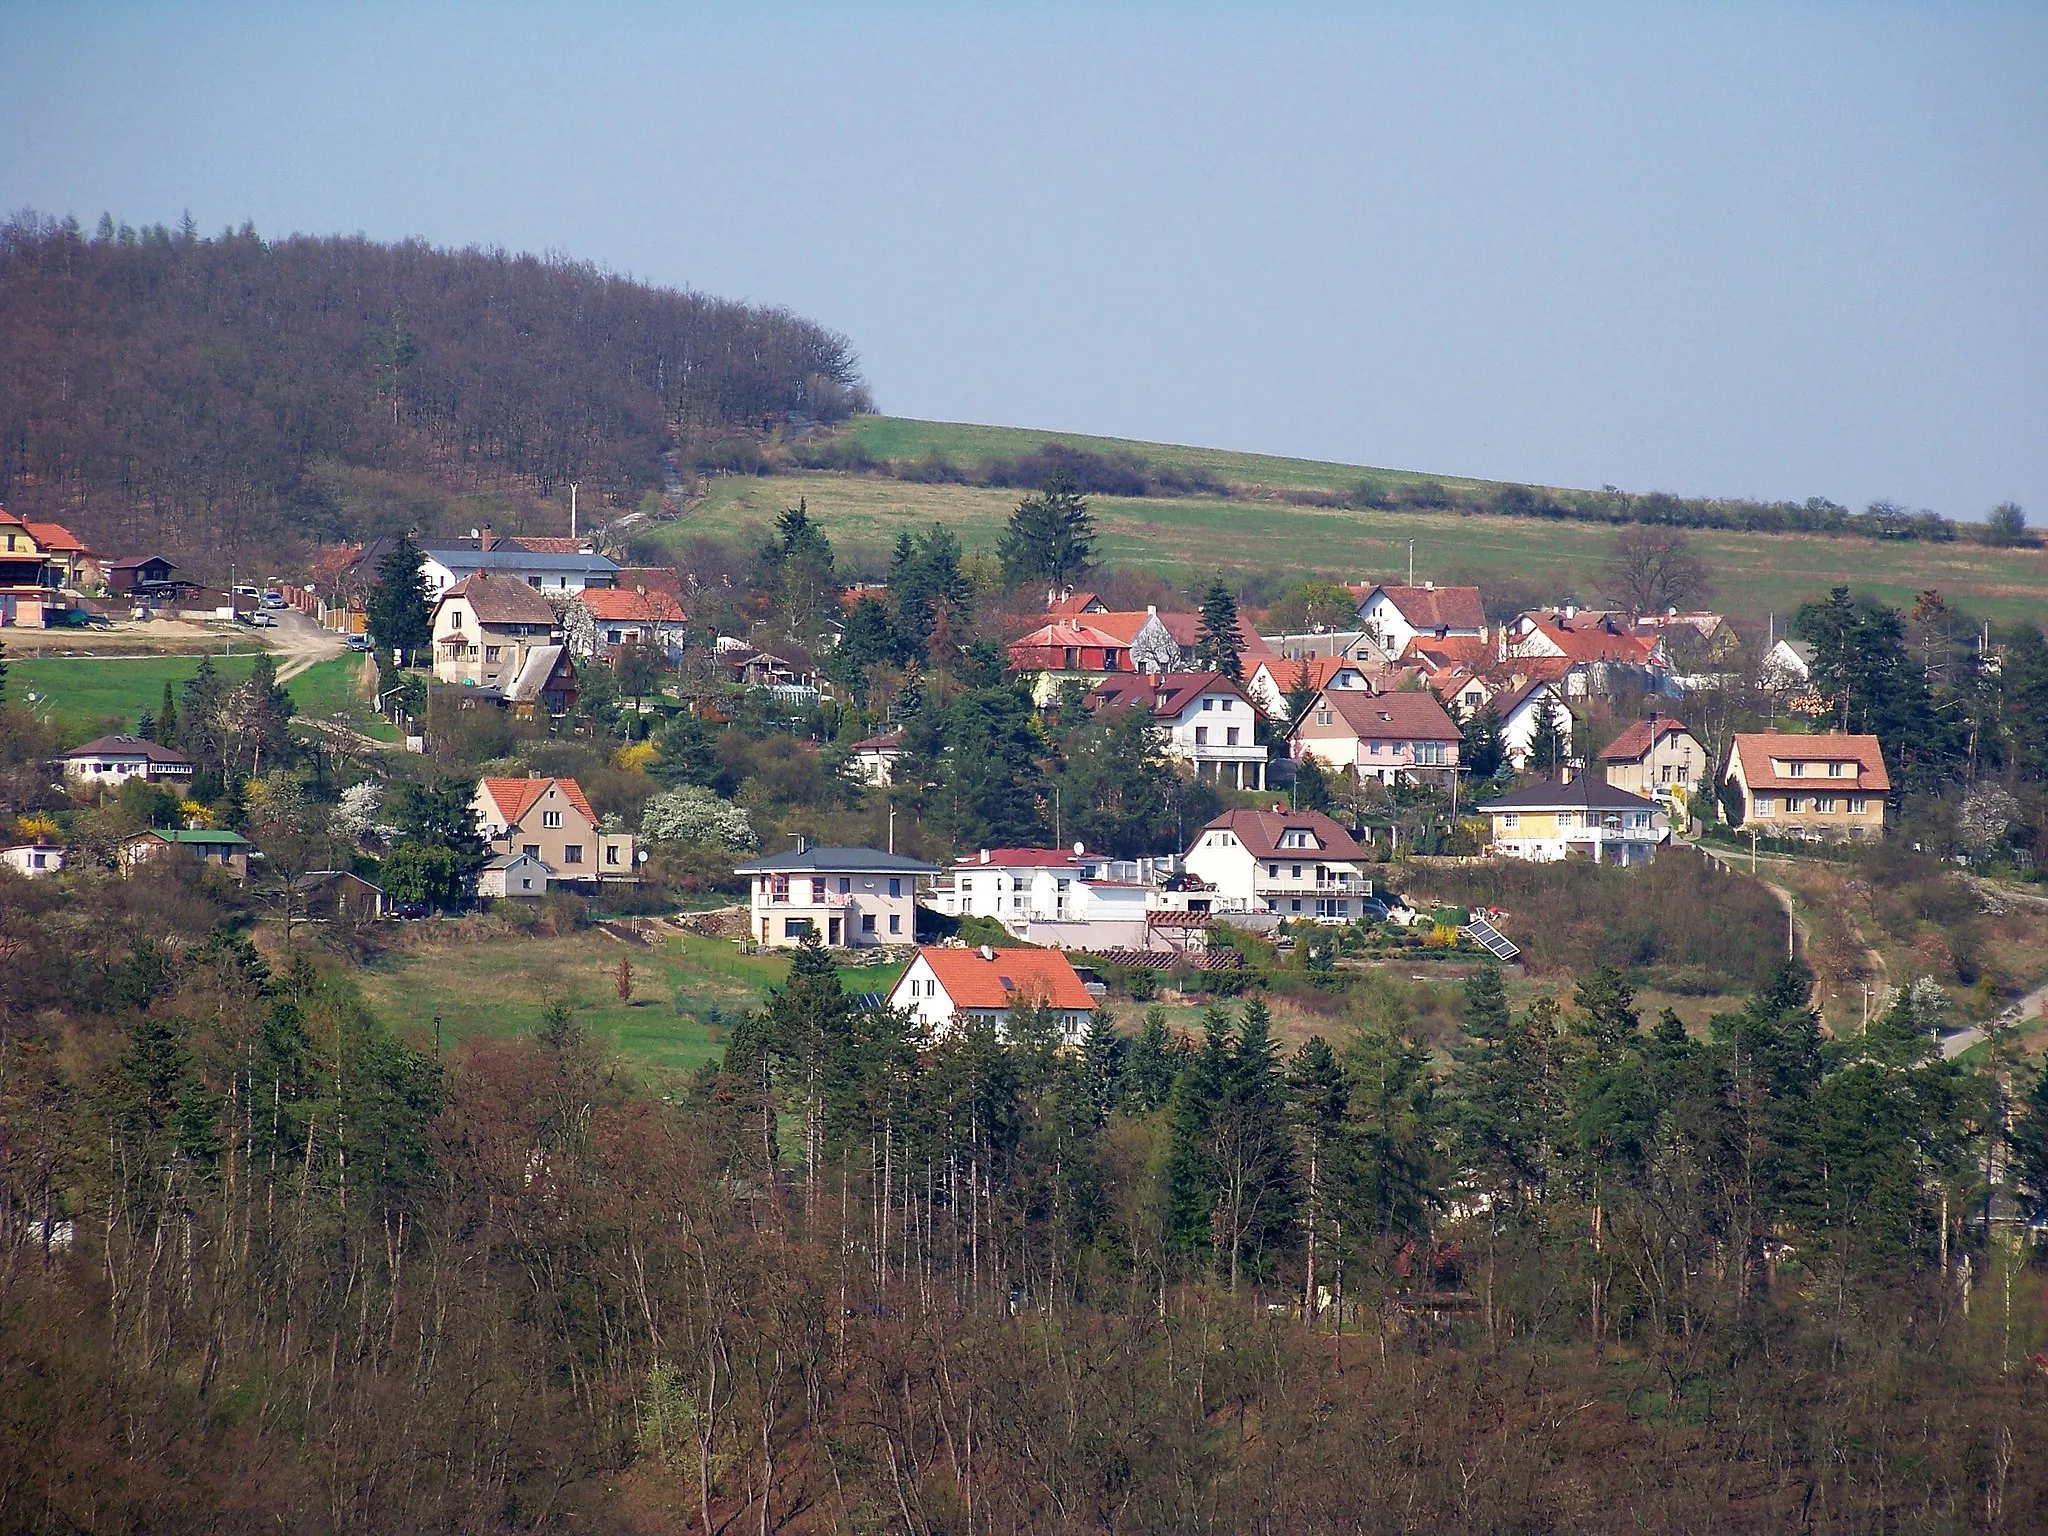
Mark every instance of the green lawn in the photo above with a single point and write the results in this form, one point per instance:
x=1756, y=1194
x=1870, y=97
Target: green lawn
x=687, y=991
x=1186, y=539
x=330, y=687
x=89, y=696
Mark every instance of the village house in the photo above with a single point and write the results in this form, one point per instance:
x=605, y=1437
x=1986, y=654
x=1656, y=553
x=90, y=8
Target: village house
x=1392, y=737
x=600, y=621
x=1523, y=707
x=1583, y=818
x=946, y=986
x=1297, y=864
x=226, y=850
x=1595, y=653
x=28, y=584
x=1396, y=616
x=1051, y=896
x=558, y=572
x=341, y=896
x=852, y=898
x=114, y=760
x=148, y=579
x=550, y=820
x=1657, y=758
x=1787, y=667
x=32, y=859
x=1202, y=719
x=1828, y=785
x=873, y=760
x=1274, y=678
x=512, y=875
x=1067, y=650
x=486, y=628
x=1084, y=641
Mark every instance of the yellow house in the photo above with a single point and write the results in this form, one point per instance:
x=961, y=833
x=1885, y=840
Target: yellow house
x=1582, y=819
x=1829, y=785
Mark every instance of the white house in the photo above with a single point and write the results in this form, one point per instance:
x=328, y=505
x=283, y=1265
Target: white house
x=599, y=621
x=1522, y=709
x=852, y=898
x=1395, y=615
x=117, y=759
x=1298, y=864
x=33, y=859
x=943, y=986
x=873, y=761
x=1403, y=736
x=556, y=572
x=1787, y=666
x=1050, y=896
x=1199, y=718
x=513, y=874
x=1274, y=678
x=1586, y=818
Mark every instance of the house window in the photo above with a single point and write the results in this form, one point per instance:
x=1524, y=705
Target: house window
x=611, y=853
x=1272, y=871
x=493, y=652
x=612, y=635
x=1201, y=735
x=795, y=927
x=1835, y=770
x=1331, y=906
x=1795, y=771
x=867, y=922
x=895, y=922
x=1230, y=736
x=778, y=888
x=572, y=853
x=1295, y=905
x=845, y=884
x=550, y=818
x=1858, y=806
x=1766, y=805
x=1510, y=820
x=1323, y=716
x=1376, y=748
x=1294, y=871
x=531, y=850
x=895, y=886
x=1208, y=703
x=818, y=892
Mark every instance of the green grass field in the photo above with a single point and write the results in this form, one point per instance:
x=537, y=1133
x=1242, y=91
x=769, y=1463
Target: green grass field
x=687, y=991
x=1185, y=539
x=87, y=696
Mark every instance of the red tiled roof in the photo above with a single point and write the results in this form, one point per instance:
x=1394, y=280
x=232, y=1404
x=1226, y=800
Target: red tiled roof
x=1757, y=749
x=1642, y=735
x=515, y=797
x=1073, y=603
x=623, y=603
x=1449, y=649
x=1016, y=858
x=56, y=538
x=1166, y=694
x=655, y=578
x=1260, y=831
x=1434, y=607
x=1600, y=640
x=1185, y=628
x=1322, y=670
x=1402, y=716
x=1013, y=977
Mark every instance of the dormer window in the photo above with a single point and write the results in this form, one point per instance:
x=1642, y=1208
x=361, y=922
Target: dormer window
x=1835, y=770
x=1297, y=837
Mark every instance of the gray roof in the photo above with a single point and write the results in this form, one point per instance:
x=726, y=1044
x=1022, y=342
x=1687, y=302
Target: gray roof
x=836, y=861
x=458, y=558
x=534, y=675
x=1587, y=792
x=126, y=746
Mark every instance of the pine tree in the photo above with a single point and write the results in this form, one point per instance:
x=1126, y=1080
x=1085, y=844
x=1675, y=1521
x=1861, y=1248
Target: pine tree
x=1550, y=748
x=1319, y=1097
x=1191, y=1173
x=1311, y=785
x=1251, y=1151
x=401, y=614
x=1051, y=536
x=1301, y=691
x=1483, y=750
x=262, y=710
x=993, y=787
x=1152, y=1066
x=809, y=1023
x=1217, y=645
x=1103, y=1050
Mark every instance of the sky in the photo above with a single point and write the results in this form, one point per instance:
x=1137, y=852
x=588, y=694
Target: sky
x=1749, y=250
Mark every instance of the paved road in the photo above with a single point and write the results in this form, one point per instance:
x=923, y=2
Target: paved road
x=2028, y=1007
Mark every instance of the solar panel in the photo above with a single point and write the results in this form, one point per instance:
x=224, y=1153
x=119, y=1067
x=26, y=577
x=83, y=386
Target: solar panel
x=1491, y=939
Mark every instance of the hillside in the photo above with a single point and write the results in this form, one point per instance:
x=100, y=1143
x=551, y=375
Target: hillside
x=1254, y=531
x=203, y=396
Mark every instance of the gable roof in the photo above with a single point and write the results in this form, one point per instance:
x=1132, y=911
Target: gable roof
x=126, y=746
x=1433, y=607
x=1260, y=832
x=500, y=600
x=808, y=860
x=515, y=797
x=1586, y=792
x=1400, y=716
x=547, y=544
x=1166, y=694
x=624, y=603
x=1017, y=858
x=1078, y=602
x=886, y=741
x=1006, y=978
x=55, y=538
x=136, y=562
x=1579, y=641
x=1322, y=671
x=1074, y=632
x=467, y=557
x=541, y=664
x=196, y=837
x=1642, y=735
x=1756, y=749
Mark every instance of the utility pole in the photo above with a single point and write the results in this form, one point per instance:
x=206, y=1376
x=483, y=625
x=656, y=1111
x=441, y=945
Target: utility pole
x=892, y=829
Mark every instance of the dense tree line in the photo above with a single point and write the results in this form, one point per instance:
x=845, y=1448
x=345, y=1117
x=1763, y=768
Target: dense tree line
x=165, y=389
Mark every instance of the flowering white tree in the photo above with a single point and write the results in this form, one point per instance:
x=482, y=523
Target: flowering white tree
x=695, y=815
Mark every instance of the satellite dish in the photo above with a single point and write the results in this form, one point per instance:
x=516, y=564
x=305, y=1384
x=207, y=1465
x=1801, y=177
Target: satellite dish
x=643, y=856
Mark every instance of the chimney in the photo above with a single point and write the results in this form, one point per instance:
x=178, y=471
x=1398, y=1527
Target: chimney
x=1429, y=586
x=486, y=540
x=1152, y=609
x=803, y=843
x=988, y=952
x=984, y=855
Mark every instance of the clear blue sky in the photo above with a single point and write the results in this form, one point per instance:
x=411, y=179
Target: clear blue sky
x=1774, y=251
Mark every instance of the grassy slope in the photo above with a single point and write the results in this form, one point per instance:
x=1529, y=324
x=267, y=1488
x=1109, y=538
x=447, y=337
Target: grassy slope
x=1755, y=574
x=89, y=695
x=499, y=986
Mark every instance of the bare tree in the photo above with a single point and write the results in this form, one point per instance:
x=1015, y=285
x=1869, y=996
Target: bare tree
x=1651, y=569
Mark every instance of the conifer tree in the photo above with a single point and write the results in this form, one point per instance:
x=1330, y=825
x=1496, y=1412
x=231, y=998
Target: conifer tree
x=401, y=617
x=1219, y=641
x=1051, y=536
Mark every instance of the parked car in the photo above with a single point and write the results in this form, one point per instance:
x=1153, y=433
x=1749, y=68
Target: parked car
x=257, y=620
x=357, y=642
x=272, y=599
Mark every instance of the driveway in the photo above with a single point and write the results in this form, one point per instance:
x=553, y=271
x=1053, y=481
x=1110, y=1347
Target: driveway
x=298, y=643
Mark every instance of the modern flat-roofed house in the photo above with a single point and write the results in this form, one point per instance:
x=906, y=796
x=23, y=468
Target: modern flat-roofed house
x=1202, y=719
x=1298, y=864
x=33, y=859
x=117, y=759
x=485, y=628
x=1391, y=737
x=1827, y=785
x=852, y=898
x=551, y=820
x=1658, y=758
x=945, y=986
x=1586, y=818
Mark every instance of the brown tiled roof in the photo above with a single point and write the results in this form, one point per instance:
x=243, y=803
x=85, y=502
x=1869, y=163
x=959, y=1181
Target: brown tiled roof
x=1260, y=831
x=1402, y=716
x=128, y=746
x=501, y=600
x=1007, y=978
x=1434, y=607
x=1166, y=694
x=1642, y=735
x=1757, y=749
